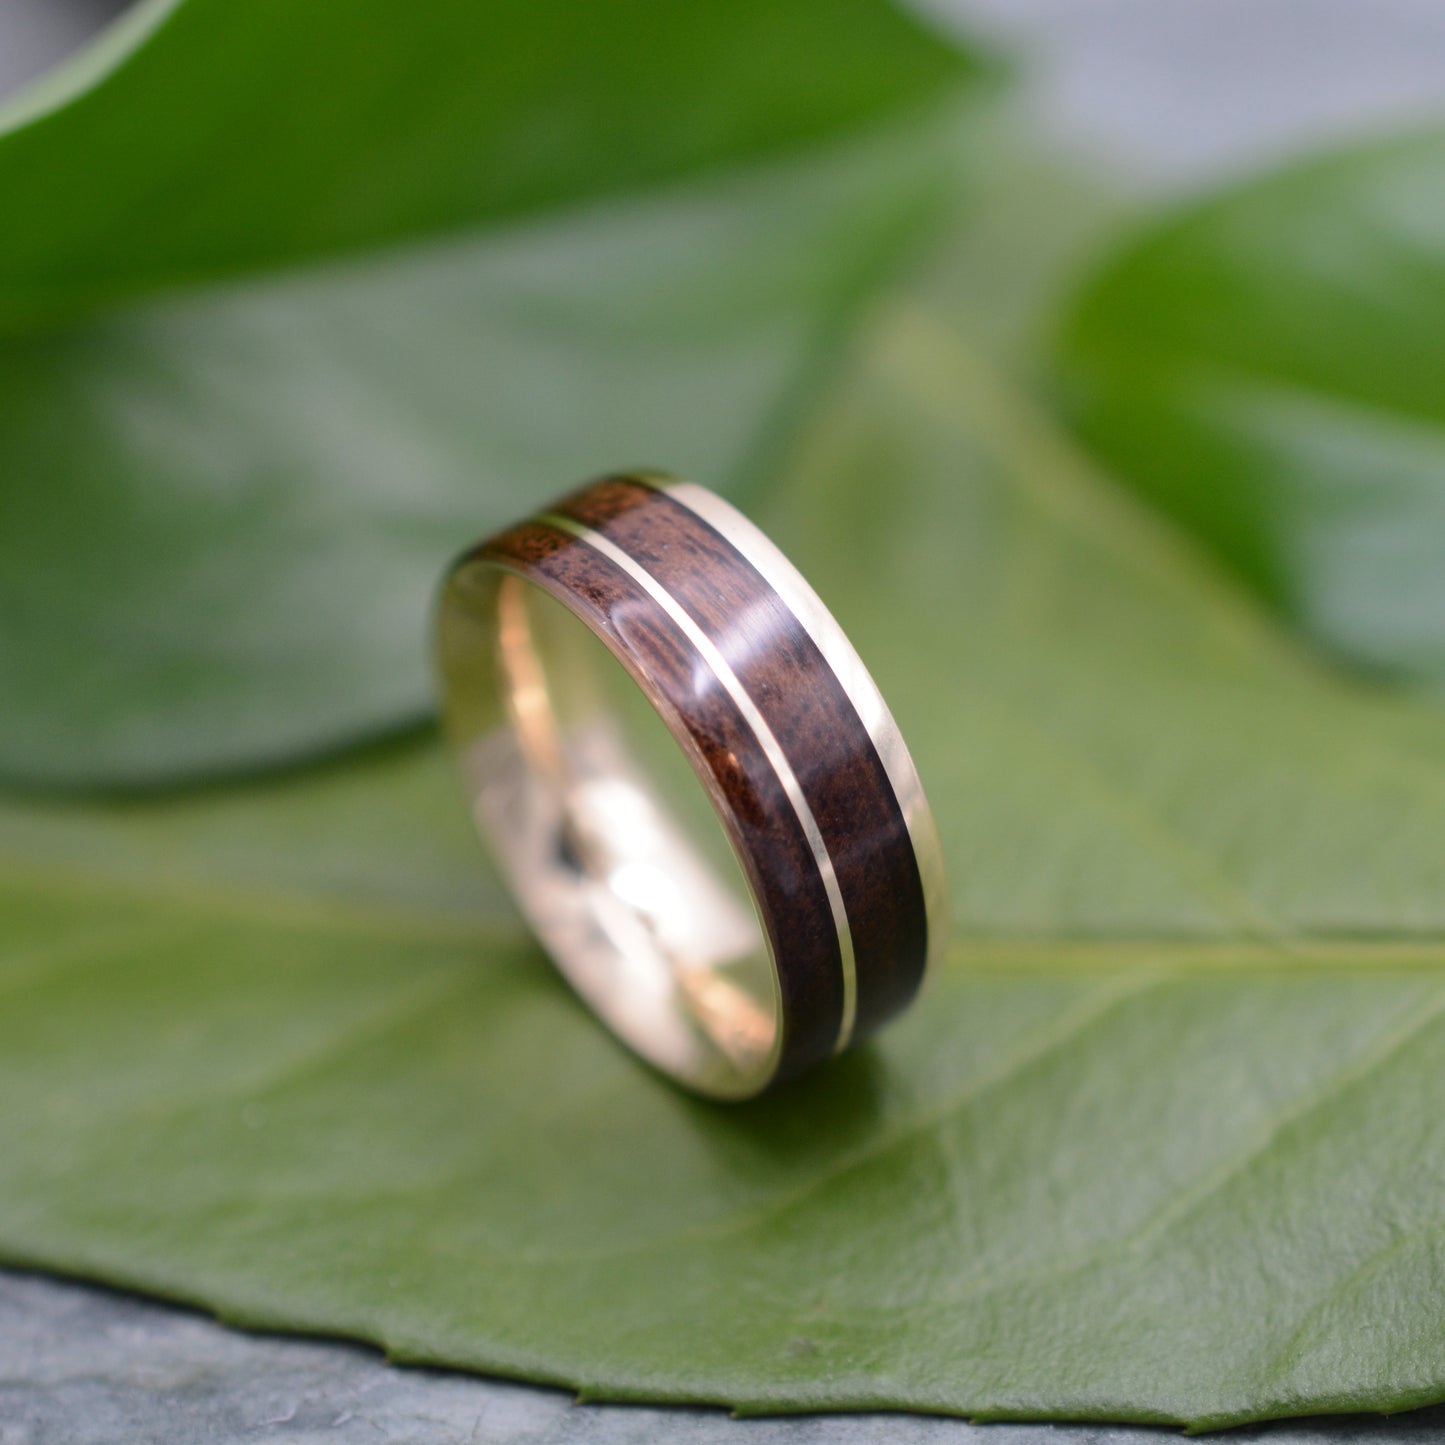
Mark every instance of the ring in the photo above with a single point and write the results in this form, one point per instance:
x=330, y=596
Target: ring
x=710, y=820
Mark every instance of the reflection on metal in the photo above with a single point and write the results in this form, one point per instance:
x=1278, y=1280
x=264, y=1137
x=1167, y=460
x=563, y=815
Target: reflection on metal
x=772, y=748
x=524, y=685
x=625, y=898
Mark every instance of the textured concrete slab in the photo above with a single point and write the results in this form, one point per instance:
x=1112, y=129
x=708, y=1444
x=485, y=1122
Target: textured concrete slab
x=84, y=1366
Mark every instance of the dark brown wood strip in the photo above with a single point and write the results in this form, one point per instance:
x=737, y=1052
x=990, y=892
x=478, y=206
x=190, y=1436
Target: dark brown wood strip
x=778, y=860
x=798, y=694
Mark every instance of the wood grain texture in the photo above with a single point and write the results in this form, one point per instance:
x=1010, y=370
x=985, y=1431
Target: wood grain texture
x=798, y=694
x=801, y=700
x=772, y=845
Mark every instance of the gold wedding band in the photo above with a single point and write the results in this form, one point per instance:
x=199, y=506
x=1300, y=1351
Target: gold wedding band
x=694, y=789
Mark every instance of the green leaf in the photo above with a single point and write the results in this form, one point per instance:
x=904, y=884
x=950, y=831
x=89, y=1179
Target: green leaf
x=1164, y=1143
x=242, y=427
x=198, y=138
x=1264, y=367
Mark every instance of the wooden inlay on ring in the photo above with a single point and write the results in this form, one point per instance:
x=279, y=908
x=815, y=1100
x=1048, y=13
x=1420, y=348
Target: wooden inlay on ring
x=849, y=799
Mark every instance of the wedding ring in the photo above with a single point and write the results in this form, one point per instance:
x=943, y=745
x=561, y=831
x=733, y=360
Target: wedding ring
x=692, y=786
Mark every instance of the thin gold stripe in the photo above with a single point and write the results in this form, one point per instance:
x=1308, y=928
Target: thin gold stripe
x=767, y=740
x=855, y=680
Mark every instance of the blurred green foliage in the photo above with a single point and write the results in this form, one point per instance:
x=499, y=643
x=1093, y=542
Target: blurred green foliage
x=296, y=299
x=1264, y=366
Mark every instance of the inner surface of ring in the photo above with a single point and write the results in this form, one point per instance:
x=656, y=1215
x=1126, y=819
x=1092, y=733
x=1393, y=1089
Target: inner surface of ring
x=616, y=851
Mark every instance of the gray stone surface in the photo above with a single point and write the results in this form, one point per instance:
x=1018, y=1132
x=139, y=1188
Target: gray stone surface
x=81, y=1366
x=1168, y=92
